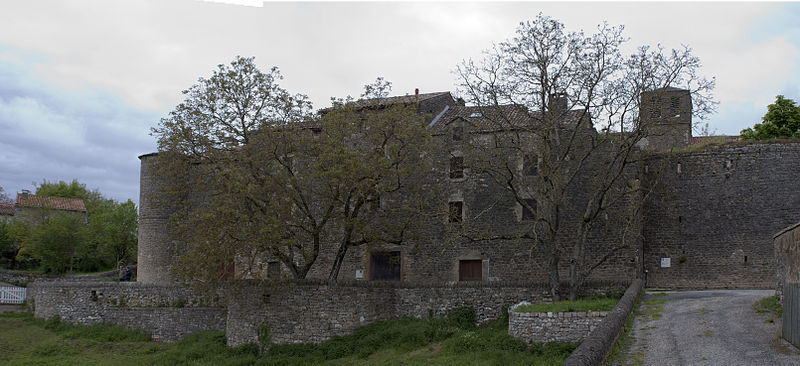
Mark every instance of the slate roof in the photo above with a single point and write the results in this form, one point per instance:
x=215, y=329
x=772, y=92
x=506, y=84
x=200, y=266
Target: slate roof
x=57, y=203
x=6, y=209
x=494, y=117
x=400, y=99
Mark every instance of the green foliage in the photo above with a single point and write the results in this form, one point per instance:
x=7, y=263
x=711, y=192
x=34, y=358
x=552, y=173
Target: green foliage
x=57, y=241
x=264, y=336
x=596, y=304
x=463, y=317
x=107, y=238
x=286, y=184
x=782, y=120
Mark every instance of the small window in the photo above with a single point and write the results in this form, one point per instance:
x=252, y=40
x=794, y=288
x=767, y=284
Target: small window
x=675, y=103
x=530, y=165
x=456, y=212
x=679, y=168
x=470, y=270
x=655, y=108
x=529, y=209
x=456, y=167
x=458, y=133
x=274, y=269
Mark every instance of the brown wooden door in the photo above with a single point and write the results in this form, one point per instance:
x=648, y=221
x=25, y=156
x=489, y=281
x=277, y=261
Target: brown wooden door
x=470, y=270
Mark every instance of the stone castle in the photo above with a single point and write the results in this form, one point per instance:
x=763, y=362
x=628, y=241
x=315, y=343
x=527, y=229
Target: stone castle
x=708, y=223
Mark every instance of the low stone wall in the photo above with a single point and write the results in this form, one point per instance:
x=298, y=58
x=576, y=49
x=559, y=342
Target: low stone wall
x=313, y=312
x=22, y=278
x=569, y=327
x=598, y=345
x=166, y=311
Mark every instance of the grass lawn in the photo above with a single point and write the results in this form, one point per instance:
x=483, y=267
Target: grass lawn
x=452, y=341
x=596, y=304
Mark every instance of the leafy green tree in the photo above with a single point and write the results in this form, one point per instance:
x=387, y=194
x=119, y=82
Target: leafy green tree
x=58, y=241
x=274, y=182
x=4, y=197
x=782, y=120
x=111, y=236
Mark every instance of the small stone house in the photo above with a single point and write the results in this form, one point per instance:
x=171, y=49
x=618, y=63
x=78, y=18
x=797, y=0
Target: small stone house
x=32, y=208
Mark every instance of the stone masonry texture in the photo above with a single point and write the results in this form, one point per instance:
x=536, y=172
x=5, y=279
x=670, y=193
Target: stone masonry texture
x=166, y=311
x=570, y=327
x=714, y=213
x=308, y=312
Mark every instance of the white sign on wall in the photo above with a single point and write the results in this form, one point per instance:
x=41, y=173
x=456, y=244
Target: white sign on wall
x=359, y=273
x=664, y=262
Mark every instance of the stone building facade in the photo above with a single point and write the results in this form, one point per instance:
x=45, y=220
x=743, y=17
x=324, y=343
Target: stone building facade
x=707, y=224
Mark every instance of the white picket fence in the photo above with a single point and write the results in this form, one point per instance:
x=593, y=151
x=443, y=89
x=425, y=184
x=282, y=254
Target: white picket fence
x=13, y=295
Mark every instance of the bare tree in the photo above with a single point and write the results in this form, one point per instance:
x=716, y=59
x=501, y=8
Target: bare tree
x=568, y=84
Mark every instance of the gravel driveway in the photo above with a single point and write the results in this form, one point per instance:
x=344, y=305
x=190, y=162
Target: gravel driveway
x=713, y=327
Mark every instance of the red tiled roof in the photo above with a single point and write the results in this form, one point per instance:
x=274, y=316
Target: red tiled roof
x=496, y=117
x=6, y=209
x=58, y=203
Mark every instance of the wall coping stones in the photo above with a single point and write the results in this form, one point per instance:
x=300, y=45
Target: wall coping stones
x=598, y=345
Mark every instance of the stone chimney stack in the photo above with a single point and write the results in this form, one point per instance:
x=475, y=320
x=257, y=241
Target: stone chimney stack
x=558, y=103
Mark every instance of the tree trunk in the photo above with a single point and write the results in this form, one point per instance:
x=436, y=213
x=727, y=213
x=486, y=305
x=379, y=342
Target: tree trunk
x=337, y=262
x=553, y=274
x=576, y=263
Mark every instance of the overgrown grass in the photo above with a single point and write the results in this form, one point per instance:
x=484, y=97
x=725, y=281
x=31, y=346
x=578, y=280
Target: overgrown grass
x=769, y=304
x=93, y=332
x=454, y=340
x=596, y=304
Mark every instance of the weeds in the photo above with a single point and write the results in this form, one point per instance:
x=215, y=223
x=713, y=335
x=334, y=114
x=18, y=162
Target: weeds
x=771, y=305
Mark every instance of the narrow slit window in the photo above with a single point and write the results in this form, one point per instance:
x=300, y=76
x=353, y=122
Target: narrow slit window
x=456, y=212
x=458, y=133
x=529, y=209
x=530, y=165
x=456, y=167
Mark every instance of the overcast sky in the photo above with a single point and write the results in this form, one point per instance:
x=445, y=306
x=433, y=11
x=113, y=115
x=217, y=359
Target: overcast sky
x=82, y=82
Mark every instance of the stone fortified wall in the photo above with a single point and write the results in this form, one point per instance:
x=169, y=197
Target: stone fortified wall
x=711, y=219
x=166, y=311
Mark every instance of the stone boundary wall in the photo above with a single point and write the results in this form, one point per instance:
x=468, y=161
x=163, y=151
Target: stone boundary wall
x=166, y=311
x=313, y=312
x=599, y=344
x=569, y=327
x=23, y=278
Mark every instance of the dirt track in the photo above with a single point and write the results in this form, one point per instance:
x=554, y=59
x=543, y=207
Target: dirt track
x=713, y=327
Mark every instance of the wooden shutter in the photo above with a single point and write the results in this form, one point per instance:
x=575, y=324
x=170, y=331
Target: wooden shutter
x=470, y=270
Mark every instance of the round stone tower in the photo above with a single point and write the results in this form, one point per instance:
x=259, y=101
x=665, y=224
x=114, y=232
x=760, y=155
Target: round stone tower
x=154, y=244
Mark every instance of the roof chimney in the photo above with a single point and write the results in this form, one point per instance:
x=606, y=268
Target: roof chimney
x=416, y=92
x=558, y=103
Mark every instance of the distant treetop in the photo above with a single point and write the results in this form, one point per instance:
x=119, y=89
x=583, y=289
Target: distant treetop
x=782, y=120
